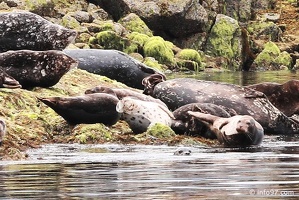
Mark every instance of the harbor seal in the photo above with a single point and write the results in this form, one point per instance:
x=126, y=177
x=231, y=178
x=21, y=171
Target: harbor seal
x=142, y=114
x=87, y=109
x=2, y=130
x=283, y=96
x=7, y=81
x=113, y=64
x=188, y=125
x=182, y=151
x=239, y=130
x=123, y=92
x=245, y=101
x=36, y=68
x=25, y=30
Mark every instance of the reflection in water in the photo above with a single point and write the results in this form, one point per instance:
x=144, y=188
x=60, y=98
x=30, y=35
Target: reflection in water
x=153, y=172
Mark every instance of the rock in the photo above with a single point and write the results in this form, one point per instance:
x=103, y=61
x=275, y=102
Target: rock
x=133, y=23
x=225, y=40
x=191, y=55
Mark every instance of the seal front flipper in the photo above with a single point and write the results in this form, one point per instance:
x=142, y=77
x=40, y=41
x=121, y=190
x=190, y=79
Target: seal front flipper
x=251, y=93
x=202, y=116
x=7, y=81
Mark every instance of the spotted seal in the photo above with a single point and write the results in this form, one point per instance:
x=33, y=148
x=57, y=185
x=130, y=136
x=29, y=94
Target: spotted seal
x=283, y=96
x=7, y=81
x=36, y=68
x=182, y=151
x=2, y=130
x=245, y=101
x=88, y=108
x=123, y=92
x=113, y=64
x=238, y=130
x=25, y=30
x=142, y=114
x=187, y=125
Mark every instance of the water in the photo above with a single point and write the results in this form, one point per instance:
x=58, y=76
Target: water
x=111, y=171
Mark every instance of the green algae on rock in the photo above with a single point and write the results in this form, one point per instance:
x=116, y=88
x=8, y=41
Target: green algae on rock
x=160, y=131
x=157, y=47
x=190, y=55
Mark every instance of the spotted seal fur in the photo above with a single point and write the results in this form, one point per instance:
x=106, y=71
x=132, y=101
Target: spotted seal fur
x=88, y=108
x=142, y=114
x=113, y=64
x=245, y=101
x=36, y=68
x=2, y=130
x=25, y=30
x=239, y=130
x=7, y=81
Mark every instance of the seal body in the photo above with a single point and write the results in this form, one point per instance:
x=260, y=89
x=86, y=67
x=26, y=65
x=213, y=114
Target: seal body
x=245, y=101
x=113, y=64
x=187, y=125
x=239, y=130
x=7, y=81
x=283, y=96
x=88, y=109
x=2, y=130
x=122, y=92
x=36, y=68
x=142, y=114
x=25, y=30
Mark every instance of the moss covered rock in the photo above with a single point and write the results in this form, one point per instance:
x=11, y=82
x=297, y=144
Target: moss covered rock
x=192, y=55
x=160, y=131
x=158, y=48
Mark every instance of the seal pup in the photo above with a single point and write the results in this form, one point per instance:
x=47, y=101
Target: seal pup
x=7, y=81
x=113, y=64
x=25, y=30
x=122, y=92
x=239, y=130
x=36, y=68
x=2, y=130
x=142, y=114
x=245, y=101
x=284, y=96
x=188, y=125
x=85, y=109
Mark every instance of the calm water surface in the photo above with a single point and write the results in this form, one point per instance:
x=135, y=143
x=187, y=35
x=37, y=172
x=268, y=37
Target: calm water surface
x=111, y=171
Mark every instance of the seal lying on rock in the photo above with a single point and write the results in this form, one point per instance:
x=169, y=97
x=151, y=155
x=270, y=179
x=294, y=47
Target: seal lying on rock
x=142, y=114
x=25, y=30
x=245, y=101
x=113, y=64
x=88, y=109
x=188, y=125
x=7, y=81
x=36, y=68
x=2, y=130
x=122, y=92
x=284, y=96
x=239, y=130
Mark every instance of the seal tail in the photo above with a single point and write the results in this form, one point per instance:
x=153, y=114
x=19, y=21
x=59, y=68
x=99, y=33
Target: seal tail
x=151, y=81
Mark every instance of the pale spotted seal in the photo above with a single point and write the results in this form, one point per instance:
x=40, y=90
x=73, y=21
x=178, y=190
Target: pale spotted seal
x=25, y=30
x=36, y=68
x=182, y=151
x=245, y=101
x=88, y=108
x=7, y=81
x=142, y=114
x=239, y=130
x=2, y=130
x=113, y=64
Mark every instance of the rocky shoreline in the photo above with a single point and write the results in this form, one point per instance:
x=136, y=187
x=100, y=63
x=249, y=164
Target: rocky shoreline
x=166, y=35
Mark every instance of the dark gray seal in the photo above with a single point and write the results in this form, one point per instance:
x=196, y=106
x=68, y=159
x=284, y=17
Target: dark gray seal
x=2, y=130
x=123, y=92
x=7, y=81
x=142, y=114
x=85, y=109
x=188, y=125
x=36, y=68
x=113, y=64
x=283, y=96
x=245, y=101
x=25, y=30
x=236, y=131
